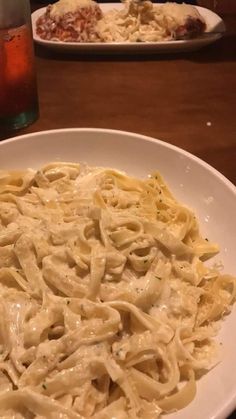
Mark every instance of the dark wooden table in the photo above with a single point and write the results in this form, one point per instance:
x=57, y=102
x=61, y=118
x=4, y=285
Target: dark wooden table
x=186, y=99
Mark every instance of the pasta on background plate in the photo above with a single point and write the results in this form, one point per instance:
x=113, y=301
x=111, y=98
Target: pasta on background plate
x=143, y=21
x=135, y=21
x=107, y=309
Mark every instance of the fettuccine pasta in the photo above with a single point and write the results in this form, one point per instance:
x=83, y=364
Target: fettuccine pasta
x=107, y=309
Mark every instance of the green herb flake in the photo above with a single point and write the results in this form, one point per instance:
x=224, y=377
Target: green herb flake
x=68, y=302
x=44, y=386
x=206, y=239
x=157, y=277
x=119, y=352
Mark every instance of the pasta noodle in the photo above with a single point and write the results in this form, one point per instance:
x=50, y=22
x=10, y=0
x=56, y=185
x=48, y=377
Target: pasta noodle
x=107, y=309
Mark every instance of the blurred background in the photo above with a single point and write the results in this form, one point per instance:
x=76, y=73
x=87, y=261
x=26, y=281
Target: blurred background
x=219, y=6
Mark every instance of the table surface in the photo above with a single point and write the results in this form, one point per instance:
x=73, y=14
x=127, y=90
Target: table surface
x=185, y=99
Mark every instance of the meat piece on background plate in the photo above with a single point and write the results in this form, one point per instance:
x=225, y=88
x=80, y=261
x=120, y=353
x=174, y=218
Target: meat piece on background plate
x=70, y=21
x=183, y=20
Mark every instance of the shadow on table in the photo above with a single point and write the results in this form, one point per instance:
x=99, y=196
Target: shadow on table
x=223, y=50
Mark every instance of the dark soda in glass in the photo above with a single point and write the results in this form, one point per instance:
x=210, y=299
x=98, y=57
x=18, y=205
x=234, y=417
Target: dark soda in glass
x=18, y=88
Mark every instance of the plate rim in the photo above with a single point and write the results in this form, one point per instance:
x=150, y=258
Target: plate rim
x=144, y=137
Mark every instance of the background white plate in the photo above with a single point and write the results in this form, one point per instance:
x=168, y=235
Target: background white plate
x=213, y=21
x=194, y=182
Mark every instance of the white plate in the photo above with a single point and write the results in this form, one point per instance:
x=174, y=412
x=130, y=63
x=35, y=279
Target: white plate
x=194, y=182
x=213, y=21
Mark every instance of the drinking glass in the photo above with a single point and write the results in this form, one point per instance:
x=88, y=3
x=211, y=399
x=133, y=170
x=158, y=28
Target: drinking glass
x=18, y=88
